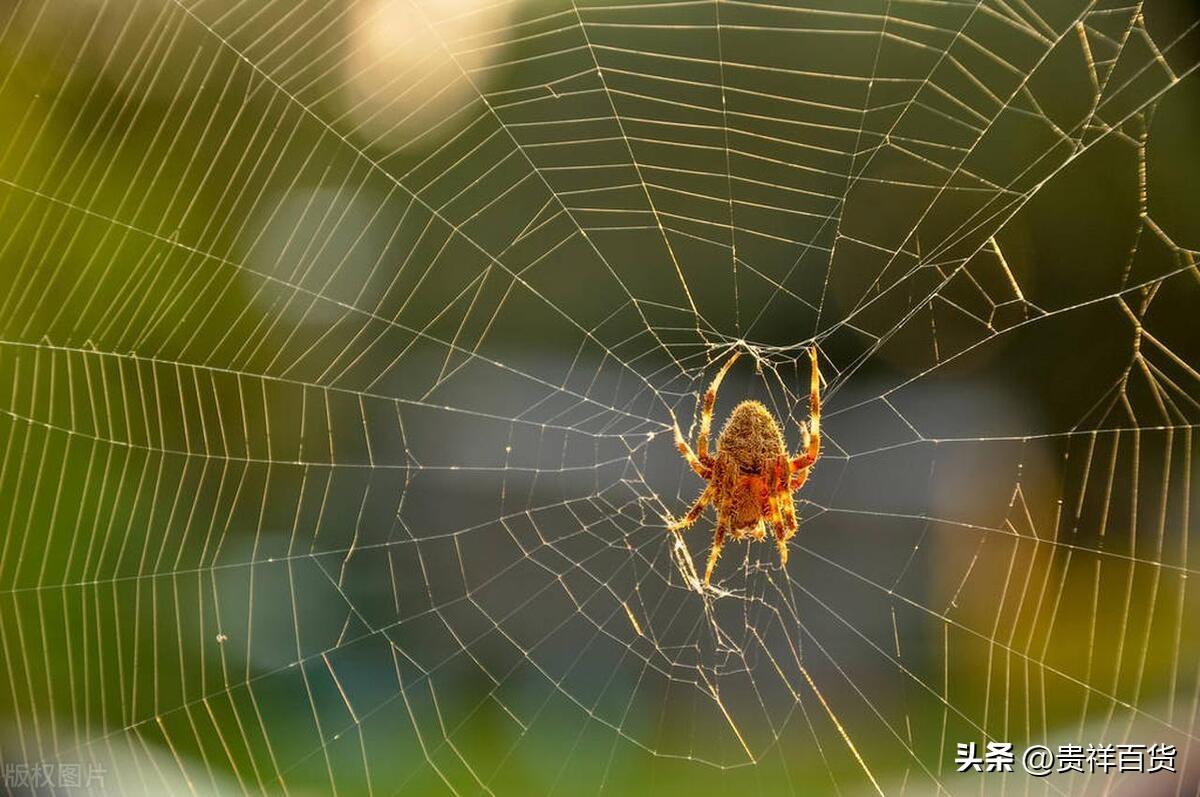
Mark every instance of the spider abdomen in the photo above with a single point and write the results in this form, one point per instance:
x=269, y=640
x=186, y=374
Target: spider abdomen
x=752, y=438
x=750, y=451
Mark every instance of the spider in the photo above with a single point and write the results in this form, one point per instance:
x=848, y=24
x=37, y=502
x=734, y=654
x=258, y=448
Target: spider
x=750, y=478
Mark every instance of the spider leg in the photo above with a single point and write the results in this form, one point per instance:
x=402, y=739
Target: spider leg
x=704, y=469
x=798, y=479
x=787, y=512
x=790, y=523
x=777, y=483
x=772, y=513
x=710, y=400
x=694, y=513
x=715, y=554
x=783, y=510
x=813, y=446
x=781, y=542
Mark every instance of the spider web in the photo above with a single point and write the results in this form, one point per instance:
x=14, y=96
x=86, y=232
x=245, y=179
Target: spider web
x=341, y=344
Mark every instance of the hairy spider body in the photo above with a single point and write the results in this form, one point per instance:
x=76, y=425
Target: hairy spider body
x=751, y=477
x=749, y=460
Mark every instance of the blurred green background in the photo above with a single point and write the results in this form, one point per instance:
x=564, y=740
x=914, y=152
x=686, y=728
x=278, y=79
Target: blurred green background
x=340, y=344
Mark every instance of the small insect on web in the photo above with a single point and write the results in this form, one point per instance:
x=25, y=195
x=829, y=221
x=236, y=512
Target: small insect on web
x=750, y=477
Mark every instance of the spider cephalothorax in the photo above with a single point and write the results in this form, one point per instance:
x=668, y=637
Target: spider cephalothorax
x=750, y=477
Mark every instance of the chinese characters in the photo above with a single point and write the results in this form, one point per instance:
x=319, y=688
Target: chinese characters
x=1040, y=761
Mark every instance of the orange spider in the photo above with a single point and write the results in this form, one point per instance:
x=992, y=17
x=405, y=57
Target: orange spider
x=751, y=478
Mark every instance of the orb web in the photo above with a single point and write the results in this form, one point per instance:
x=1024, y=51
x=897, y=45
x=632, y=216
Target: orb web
x=342, y=343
